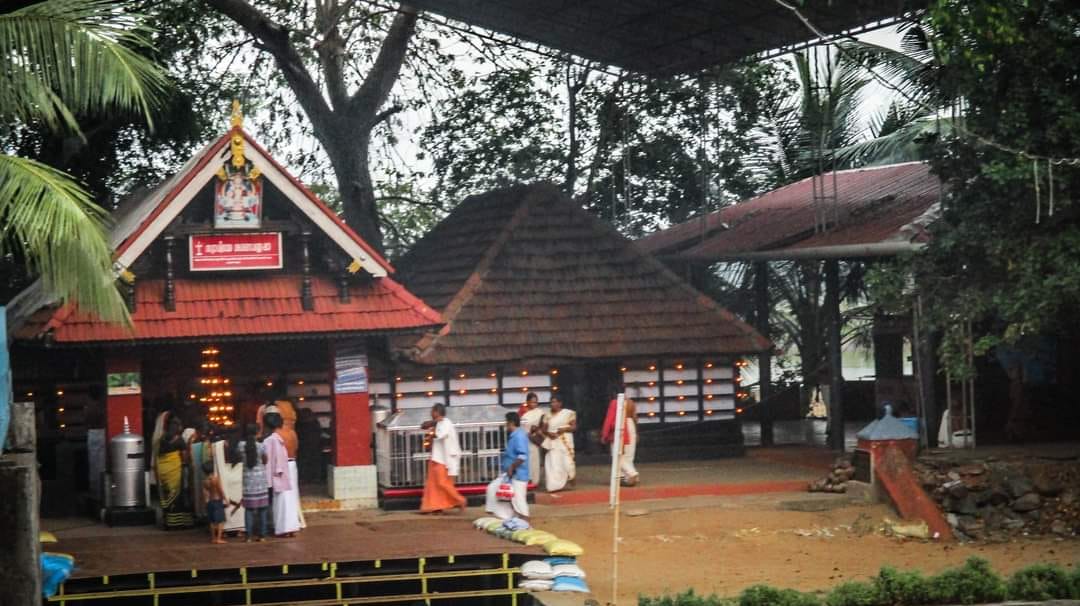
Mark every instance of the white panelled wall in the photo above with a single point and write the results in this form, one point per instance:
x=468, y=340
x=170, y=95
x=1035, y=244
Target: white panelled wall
x=677, y=391
x=665, y=391
x=463, y=387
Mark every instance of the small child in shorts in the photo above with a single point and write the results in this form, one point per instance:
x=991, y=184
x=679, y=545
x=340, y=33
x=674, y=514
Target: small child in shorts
x=214, y=495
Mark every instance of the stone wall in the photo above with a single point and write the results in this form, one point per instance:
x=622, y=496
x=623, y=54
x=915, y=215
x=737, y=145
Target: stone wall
x=992, y=499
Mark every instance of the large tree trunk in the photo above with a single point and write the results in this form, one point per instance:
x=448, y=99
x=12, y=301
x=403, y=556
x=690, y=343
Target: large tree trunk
x=349, y=155
x=340, y=120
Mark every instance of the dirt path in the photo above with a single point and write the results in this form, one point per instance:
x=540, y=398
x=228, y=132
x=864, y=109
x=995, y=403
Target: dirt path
x=723, y=545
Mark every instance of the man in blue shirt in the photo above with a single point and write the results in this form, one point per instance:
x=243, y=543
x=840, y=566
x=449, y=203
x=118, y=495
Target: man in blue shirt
x=515, y=465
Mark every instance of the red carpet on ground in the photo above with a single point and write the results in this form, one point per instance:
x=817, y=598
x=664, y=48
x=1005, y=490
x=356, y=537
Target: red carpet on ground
x=644, y=493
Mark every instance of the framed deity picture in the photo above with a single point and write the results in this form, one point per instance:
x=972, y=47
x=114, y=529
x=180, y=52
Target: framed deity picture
x=238, y=202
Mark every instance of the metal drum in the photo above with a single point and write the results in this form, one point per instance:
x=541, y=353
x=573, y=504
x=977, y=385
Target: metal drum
x=126, y=466
x=402, y=449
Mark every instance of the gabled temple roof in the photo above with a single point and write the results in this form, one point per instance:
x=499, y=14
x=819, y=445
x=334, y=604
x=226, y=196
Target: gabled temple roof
x=523, y=273
x=230, y=305
x=144, y=221
x=878, y=211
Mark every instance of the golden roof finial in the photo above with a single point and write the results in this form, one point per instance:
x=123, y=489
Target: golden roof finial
x=237, y=116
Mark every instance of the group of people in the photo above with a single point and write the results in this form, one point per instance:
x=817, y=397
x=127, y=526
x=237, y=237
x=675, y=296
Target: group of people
x=205, y=475
x=538, y=439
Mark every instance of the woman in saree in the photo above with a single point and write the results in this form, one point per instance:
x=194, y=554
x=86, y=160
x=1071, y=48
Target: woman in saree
x=533, y=422
x=559, y=468
x=170, y=474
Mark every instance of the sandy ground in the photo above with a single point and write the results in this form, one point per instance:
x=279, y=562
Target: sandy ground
x=717, y=544
x=724, y=544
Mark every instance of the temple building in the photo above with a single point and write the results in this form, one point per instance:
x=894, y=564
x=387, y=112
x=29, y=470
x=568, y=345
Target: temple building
x=539, y=295
x=243, y=287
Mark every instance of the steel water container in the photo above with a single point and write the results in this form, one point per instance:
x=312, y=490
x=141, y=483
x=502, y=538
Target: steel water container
x=126, y=467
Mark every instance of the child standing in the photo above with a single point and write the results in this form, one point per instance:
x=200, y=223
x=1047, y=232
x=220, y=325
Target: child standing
x=214, y=496
x=256, y=488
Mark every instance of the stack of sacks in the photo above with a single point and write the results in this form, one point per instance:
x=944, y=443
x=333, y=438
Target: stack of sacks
x=518, y=530
x=537, y=575
x=553, y=574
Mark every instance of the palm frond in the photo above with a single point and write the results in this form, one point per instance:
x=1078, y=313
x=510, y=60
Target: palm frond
x=900, y=145
x=912, y=72
x=52, y=221
x=62, y=58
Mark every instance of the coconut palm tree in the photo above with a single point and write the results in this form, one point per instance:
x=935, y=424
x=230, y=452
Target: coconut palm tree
x=60, y=59
x=914, y=76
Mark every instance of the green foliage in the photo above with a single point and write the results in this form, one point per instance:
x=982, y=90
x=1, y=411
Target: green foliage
x=998, y=258
x=763, y=595
x=60, y=59
x=1041, y=582
x=688, y=598
x=896, y=588
x=854, y=593
x=972, y=583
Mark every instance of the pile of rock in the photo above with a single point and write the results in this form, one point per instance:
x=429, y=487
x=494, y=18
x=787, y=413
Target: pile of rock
x=996, y=500
x=842, y=473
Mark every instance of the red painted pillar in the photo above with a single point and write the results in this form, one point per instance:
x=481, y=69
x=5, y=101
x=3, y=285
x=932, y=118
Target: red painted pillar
x=123, y=400
x=352, y=414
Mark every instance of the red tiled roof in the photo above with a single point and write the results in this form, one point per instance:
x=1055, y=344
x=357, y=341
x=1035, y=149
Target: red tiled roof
x=877, y=205
x=524, y=273
x=243, y=307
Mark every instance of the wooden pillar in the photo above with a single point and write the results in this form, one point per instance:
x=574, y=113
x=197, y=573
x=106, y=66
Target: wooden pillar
x=120, y=405
x=307, y=301
x=761, y=317
x=170, y=274
x=836, y=365
x=352, y=409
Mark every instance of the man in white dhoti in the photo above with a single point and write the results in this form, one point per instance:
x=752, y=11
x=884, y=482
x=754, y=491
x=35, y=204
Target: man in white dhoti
x=559, y=468
x=514, y=465
x=281, y=478
x=532, y=421
x=439, y=491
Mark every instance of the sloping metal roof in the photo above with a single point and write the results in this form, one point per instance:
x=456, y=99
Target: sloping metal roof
x=878, y=211
x=664, y=37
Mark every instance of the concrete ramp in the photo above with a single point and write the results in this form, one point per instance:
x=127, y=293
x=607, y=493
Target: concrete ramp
x=893, y=470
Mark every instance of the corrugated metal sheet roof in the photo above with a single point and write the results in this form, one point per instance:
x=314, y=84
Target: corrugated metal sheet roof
x=264, y=305
x=873, y=206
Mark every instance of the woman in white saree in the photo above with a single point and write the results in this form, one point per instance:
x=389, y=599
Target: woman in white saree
x=559, y=468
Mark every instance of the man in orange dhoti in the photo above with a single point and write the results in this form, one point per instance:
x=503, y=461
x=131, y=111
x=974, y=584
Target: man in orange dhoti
x=439, y=491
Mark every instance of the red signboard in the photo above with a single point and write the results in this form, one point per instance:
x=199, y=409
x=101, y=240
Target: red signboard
x=235, y=251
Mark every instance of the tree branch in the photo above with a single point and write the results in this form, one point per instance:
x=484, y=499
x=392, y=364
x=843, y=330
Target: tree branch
x=330, y=47
x=380, y=79
x=384, y=114
x=274, y=38
x=416, y=201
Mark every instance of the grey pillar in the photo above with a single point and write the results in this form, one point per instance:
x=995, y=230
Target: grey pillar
x=927, y=373
x=836, y=366
x=761, y=317
x=20, y=567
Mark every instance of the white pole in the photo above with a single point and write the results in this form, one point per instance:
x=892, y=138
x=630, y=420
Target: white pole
x=616, y=454
x=616, y=449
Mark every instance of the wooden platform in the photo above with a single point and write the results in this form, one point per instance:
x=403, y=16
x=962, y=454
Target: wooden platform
x=348, y=563
x=161, y=551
